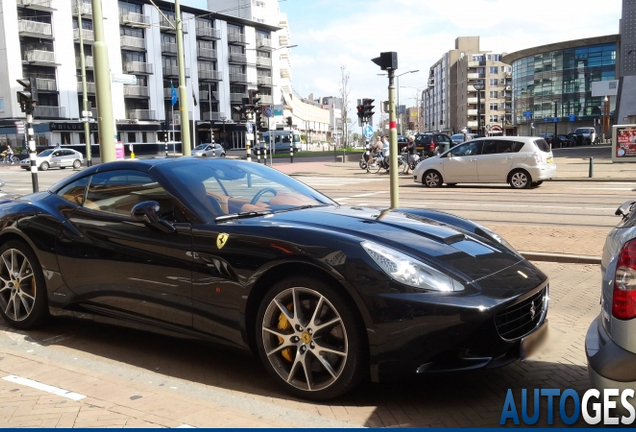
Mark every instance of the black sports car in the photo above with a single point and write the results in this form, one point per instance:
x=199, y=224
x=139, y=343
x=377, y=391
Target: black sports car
x=240, y=254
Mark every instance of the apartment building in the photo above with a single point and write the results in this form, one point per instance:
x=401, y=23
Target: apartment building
x=450, y=100
x=225, y=57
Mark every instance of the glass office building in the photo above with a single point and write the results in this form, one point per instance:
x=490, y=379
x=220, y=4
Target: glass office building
x=556, y=81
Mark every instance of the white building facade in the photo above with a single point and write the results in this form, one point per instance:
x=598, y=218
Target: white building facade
x=225, y=57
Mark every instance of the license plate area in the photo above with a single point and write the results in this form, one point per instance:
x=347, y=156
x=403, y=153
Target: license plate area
x=549, y=160
x=531, y=343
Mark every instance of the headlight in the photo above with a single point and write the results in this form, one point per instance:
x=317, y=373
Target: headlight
x=410, y=271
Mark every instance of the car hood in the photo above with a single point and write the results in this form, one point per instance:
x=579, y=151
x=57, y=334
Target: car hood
x=458, y=251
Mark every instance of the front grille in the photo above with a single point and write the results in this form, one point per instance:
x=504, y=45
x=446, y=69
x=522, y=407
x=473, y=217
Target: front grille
x=521, y=318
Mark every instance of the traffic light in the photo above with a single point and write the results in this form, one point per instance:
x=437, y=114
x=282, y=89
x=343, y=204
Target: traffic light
x=289, y=121
x=367, y=109
x=258, y=117
x=360, y=109
x=27, y=97
x=254, y=100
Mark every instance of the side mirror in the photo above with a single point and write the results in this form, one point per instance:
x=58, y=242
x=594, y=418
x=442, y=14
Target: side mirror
x=147, y=212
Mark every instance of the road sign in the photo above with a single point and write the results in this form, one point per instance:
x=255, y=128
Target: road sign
x=268, y=112
x=19, y=127
x=249, y=128
x=546, y=119
x=527, y=113
x=572, y=117
x=87, y=114
x=555, y=119
x=125, y=79
x=368, y=131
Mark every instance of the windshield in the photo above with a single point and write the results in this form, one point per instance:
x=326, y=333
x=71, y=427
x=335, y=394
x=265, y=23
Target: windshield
x=296, y=138
x=46, y=153
x=233, y=188
x=457, y=137
x=579, y=130
x=201, y=147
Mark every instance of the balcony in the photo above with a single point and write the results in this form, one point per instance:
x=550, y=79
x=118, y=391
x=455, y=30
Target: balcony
x=168, y=47
x=48, y=111
x=264, y=61
x=46, y=84
x=167, y=26
x=210, y=75
x=238, y=77
x=207, y=32
x=138, y=67
x=88, y=62
x=264, y=81
x=206, y=53
x=85, y=8
x=35, y=29
x=474, y=76
x=211, y=116
x=140, y=114
x=472, y=124
x=267, y=99
x=46, y=58
x=237, y=58
x=474, y=64
x=236, y=38
x=136, y=91
x=90, y=87
x=471, y=100
x=263, y=43
x=173, y=72
x=41, y=5
x=133, y=19
x=471, y=112
x=237, y=98
x=283, y=40
x=206, y=96
x=132, y=43
x=87, y=35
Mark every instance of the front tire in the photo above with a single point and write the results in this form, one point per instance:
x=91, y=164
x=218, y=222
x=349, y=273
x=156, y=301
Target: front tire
x=44, y=166
x=77, y=164
x=23, y=301
x=520, y=179
x=310, y=339
x=432, y=179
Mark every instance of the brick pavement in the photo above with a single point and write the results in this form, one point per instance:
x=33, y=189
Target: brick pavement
x=141, y=399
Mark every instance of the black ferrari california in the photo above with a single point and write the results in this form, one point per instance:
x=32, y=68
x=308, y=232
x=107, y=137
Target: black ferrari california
x=239, y=254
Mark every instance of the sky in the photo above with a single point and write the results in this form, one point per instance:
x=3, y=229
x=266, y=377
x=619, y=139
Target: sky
x=335, y=33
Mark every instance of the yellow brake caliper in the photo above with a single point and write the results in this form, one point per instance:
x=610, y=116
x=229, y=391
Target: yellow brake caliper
x=284, y=325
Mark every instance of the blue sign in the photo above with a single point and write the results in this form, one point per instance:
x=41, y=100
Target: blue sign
x=368, y=131
x=527, y=113
x=555, y=119
x=572, y=117
x=546, y=119
x=249, y=128
x=268, y=112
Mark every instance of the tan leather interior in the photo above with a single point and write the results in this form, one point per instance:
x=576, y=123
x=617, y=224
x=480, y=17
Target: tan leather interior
x=230, y=205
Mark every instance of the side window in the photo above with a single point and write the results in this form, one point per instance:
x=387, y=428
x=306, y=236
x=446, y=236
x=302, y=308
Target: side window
x=57, y=153
x=119, y=191
x=74, y=192
x=490, y=147
x=460, y=150
x=471, y=148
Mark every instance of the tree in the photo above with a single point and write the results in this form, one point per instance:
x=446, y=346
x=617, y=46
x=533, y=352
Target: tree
x=344, y=94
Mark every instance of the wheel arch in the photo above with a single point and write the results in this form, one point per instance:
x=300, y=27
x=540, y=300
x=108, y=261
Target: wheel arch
x=291, y=269
x=514, y=170
x=428, y=170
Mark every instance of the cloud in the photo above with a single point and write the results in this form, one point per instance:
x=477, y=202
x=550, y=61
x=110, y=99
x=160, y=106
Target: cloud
x=334, y=33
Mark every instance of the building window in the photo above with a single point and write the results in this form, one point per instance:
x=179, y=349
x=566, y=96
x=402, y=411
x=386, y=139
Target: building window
x=488, y=57
x=494, y=69
x=132, y=137
x=497, y=57
x=494, y=81
x=494, y=94
x=144, y=137
x=494, y=107
x=1, y=104
x=494, y=118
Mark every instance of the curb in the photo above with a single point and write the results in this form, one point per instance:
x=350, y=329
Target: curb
x=561, y=258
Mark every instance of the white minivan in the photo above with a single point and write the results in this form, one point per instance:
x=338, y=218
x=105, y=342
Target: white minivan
x=522, y=162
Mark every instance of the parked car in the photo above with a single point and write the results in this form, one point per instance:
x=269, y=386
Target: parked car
x=209, y=150
x=520, y=161
x=588, y=135
x=610, y=343
x=240, y=254
x=55, y=158
x=402, y=142
x=429, y=144
x=459, y=138
x=547, y=137
x=563, y=141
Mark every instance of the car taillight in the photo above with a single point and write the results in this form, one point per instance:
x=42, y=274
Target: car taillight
x=624, y=303
x=537, y=158
x=432, y=146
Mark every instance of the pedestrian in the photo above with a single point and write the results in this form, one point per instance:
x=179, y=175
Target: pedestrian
x=411, y=151
x=57, y=146
x=465, y=132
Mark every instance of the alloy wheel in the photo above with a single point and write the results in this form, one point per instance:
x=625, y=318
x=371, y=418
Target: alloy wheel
x=519, y=180
x=304, y=339
x=18, y=285
x=432, y=179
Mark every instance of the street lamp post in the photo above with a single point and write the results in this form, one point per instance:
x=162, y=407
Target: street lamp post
x=224, y=137
x=397, y=77
x=556, y=114
x=479, y=86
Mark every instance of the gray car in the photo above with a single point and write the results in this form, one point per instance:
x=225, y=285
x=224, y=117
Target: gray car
x=55, y=158
x=209, y=150
x=610, y=343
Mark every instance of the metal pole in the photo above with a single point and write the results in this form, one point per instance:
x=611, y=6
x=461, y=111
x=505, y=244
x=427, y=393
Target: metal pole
x=554, y=138
x=87, y=127
x=478, y=113
x=105, y=118
x=393, y=165
x=32, y=153
x=591, y=170
x=174, y=140
x=186, y=144
x=399, y=116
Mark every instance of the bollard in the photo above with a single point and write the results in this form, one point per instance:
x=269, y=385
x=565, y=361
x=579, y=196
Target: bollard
x=591, y=173
x=291, y=153
x=344, y=154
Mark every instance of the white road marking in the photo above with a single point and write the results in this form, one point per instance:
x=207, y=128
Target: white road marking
x=184, y=426
x=368, y=194
x=608, y=188
x=43, y=387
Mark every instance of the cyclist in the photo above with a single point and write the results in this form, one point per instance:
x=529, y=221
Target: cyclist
x=376, y=150
x=411, y=151
x=9, y=154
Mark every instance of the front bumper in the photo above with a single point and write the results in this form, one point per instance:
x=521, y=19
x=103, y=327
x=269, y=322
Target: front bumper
x=609, y=365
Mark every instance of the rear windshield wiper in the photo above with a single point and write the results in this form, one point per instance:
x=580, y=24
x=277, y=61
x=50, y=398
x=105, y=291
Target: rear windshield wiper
x=242, y=215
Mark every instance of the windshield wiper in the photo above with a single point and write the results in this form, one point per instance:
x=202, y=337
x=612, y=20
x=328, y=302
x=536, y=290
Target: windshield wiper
x=241, y=215
x=302, y=207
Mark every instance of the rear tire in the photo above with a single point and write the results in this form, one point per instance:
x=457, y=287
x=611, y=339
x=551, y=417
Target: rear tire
x=44, y=166
x=77, y=164
x=311, y=339
x=432, y=179
x=520, y=179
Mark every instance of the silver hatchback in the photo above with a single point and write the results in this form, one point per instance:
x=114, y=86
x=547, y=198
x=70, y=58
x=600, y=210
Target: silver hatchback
x=610, y=343
x=55, y=158
x=209, y=150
